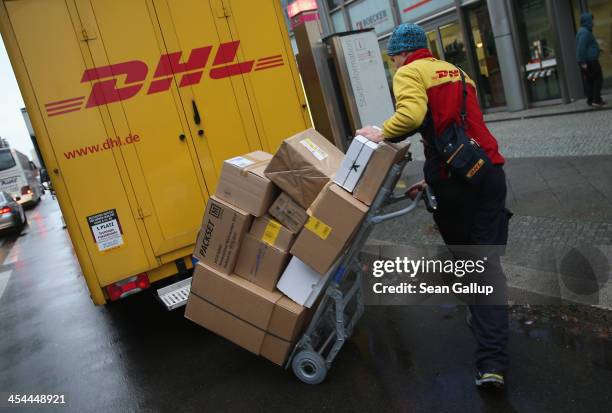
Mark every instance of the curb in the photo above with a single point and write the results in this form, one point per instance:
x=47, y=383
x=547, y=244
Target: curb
x=545, y=115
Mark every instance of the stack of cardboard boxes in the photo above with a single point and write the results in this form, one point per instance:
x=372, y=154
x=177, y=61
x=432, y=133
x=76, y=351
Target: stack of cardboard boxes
x=272, y=233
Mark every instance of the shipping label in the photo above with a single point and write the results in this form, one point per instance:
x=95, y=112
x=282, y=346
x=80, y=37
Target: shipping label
x=315, y=149
x=240, y=162
x=319, y=228
x=271, y=232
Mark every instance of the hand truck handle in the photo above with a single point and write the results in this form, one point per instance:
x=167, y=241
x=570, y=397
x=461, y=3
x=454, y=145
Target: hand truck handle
x=431, y=203
x=385, y=217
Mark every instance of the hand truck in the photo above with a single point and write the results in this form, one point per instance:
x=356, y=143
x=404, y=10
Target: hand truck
x=342, y=304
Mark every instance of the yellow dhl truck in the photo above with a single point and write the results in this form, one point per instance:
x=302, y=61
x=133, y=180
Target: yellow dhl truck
x=135, y=105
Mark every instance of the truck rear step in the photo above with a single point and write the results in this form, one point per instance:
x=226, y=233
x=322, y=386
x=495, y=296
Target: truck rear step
x=175, y=295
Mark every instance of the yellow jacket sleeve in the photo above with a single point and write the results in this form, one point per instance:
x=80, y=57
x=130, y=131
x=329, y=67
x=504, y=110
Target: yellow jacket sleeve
x=410, y=103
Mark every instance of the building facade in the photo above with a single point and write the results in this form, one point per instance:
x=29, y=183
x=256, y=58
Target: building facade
x=520, y=52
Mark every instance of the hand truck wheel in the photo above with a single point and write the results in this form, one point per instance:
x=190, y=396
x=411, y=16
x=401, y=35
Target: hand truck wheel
x=309, y=367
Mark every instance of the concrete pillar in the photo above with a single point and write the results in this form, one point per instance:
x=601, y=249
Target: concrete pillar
x=565, y=50
x=508, y=60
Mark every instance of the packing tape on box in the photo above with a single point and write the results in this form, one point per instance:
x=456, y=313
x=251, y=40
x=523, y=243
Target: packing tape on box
x=319, y=228
x=252, y=166
x=249, y=168
x=271, y=232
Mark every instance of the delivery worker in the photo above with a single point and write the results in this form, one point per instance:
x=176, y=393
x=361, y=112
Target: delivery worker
x=587, y=54
x=432, y=96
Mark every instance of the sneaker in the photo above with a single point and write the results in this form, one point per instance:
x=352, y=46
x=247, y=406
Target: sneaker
x=598, y=104
x=489, y=380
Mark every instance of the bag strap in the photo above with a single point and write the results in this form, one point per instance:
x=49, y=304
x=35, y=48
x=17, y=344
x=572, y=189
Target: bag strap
x=463, y=112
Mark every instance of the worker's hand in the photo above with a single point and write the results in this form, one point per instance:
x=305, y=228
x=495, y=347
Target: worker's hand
x=372, y=133
x=415, y=189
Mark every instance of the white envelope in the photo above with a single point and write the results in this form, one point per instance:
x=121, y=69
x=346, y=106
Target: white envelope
x=301, y=283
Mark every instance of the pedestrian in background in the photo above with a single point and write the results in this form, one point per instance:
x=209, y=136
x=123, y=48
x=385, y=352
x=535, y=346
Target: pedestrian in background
x=587, y=55
x=434, y=97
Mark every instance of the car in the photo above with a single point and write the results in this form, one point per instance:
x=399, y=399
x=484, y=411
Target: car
x=12, y=215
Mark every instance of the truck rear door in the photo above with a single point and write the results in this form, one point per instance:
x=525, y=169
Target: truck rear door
x=127, y=47
x=208, y=75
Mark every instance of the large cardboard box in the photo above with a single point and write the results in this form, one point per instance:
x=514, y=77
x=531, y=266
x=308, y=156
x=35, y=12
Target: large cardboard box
x=238, y=331
x=303, y=165
x=354, y=162
x=243, y=183
x=385, y=155
x=260, y=263
x=223, y=228
x=334, y=217
x=301, y=283
x=272, y=232
x=288, y=212
x=263, y=322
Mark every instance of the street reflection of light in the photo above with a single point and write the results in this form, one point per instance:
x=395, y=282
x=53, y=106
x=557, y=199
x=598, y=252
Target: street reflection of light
x=39, y=219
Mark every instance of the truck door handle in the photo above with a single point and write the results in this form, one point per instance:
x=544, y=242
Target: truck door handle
x=196, y=113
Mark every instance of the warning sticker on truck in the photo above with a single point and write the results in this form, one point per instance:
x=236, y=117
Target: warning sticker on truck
x=106, y=229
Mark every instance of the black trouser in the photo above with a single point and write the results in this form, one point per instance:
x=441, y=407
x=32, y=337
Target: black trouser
x=593, y=80
x=469, y=216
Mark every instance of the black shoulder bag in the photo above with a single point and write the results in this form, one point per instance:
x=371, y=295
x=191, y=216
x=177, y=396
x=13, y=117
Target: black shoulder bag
x=463, y=156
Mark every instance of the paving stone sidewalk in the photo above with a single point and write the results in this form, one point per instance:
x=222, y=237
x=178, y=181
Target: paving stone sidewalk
x=581, y=134
x=559, y=174
x=577, y=106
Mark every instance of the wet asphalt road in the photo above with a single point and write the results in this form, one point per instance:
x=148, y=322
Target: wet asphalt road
x=135, y=356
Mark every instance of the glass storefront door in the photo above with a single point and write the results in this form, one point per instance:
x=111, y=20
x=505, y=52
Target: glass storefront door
x=488, y=73
x=453, y=45
x=538, y=51
x=432, y=42
x=446, y=42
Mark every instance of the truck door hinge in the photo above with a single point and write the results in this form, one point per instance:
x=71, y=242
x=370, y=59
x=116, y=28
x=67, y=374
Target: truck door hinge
x=88, y=35
x=142, y=214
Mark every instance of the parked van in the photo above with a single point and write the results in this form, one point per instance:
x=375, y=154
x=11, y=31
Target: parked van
x=19, y=177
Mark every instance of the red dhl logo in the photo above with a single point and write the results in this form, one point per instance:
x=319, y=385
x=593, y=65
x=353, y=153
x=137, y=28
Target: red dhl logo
x=446, y=73
x=105, y=90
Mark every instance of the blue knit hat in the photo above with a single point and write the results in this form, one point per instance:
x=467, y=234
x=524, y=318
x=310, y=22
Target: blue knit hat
x=405, y=38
